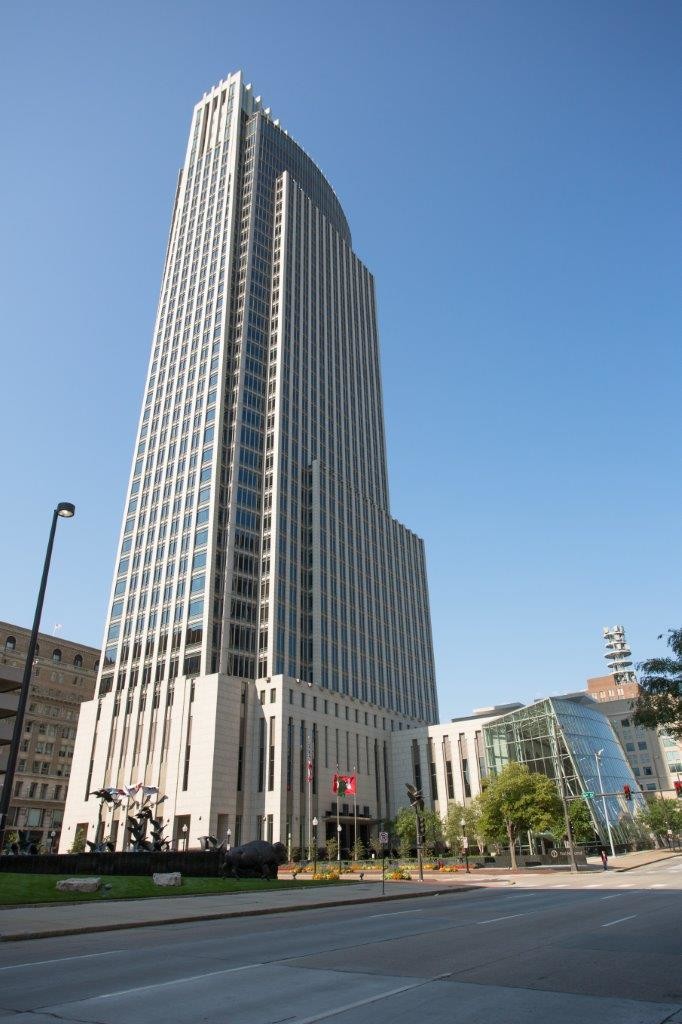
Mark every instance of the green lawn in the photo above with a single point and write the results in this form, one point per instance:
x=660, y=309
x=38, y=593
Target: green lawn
x=17, y=888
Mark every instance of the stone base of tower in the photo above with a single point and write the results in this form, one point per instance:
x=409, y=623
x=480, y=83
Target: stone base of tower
x=233, y=764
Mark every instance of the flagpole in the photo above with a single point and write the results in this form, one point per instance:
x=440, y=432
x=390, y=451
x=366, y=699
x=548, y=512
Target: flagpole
x=355, y=811
x=338, y=823
x=309, y=777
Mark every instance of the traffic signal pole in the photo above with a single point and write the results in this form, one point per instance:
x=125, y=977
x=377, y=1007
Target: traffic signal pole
x=417, y=801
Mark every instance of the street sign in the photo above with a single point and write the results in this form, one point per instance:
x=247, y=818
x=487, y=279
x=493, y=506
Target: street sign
x=383, y=838
x=588, y=794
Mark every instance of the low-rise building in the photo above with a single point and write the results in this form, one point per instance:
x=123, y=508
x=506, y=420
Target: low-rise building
x=64, y=674
x=655, y=757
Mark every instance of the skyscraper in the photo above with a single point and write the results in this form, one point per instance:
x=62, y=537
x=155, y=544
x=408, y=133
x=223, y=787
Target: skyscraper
x=262, y=593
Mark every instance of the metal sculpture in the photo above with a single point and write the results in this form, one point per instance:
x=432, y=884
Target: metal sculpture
x=137, y=830
x=209, y=844
x=23, y=846
x=257, y=859
x=102, y=847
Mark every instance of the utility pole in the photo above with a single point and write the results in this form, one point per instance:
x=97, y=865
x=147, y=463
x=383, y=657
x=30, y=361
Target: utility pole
x=564, y=802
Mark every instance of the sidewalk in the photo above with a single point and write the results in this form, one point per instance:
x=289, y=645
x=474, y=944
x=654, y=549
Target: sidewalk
x=52, y=920
x=639, y=859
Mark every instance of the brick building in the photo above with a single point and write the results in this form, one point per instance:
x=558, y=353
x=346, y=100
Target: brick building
x=63, y=676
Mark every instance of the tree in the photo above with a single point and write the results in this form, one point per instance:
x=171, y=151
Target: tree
x=659, y=704
x=359, y=851
x=78, y=845
x=332, y=848
x=471, y=814
x=516, y=800
x=582, y=825
x=405, y=827
x=660, y=815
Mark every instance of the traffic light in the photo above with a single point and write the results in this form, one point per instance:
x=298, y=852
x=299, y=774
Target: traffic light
x=415, y=795
x=678, y=790
x=628, y=792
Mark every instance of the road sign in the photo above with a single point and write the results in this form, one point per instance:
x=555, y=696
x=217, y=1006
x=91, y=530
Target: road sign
x=383, y=838
x=588, y=794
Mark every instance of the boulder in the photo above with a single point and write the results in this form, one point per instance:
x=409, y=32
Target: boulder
x=79, y=884
x=167, y=878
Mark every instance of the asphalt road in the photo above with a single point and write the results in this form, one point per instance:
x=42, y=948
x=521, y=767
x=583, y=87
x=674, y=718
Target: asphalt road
x=597, y=950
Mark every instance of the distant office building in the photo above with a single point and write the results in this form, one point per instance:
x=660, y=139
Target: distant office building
x=655, y=757
x=606, y=688
x=64, y=675
x=446, y=762
x=264, y=602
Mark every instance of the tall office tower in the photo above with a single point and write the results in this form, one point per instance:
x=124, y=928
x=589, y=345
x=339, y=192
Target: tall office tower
x=266, y=610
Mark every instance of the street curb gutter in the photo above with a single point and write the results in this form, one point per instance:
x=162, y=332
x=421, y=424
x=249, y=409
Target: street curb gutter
x=56, y=933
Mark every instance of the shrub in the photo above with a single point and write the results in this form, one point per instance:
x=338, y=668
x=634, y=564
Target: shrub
x=78, y=845
x=399, y=874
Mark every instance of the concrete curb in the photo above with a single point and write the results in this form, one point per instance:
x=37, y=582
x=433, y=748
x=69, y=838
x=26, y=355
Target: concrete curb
x=55, y=933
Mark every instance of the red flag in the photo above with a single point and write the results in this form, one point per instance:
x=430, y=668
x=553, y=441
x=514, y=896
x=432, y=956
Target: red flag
x=344, y=785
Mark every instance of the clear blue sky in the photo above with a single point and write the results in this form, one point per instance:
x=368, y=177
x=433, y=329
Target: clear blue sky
x=511, y=173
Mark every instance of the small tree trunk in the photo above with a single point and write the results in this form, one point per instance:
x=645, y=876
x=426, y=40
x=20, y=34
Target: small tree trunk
x=512, y=846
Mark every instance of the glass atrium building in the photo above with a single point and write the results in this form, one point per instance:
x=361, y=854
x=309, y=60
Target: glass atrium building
x=571, y=740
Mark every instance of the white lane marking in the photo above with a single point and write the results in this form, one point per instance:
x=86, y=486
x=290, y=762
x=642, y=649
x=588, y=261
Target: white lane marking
x=370, y=999
x=613, y=896
x=61, y=960
x=175, y=981
x=505, y=918
x=618, y=920
x=396, y=913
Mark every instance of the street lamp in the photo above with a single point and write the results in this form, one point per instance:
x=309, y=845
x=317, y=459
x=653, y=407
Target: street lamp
x=52, y=835
x=315, y=824
x=597, y=760
x=465, y=843
x=338, y=842
x=64, y=510
x=228, y=837
x=185, y=830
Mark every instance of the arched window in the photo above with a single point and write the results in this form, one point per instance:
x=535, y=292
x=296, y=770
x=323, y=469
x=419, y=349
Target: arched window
x=78, y=661
x=96, y=666
x=56, y=654
x=10, y=643
x=37, y=649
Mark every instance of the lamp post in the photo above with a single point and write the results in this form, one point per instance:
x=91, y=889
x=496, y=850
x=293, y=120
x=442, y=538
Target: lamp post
x=597, y=759
x=465, y=844
x=52, y=835
x=315, y=824
x=228, y=837
x=64, y=510
x=185, y=830
x=338, y=841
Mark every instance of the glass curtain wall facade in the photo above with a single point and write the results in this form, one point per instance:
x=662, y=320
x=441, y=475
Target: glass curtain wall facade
x=257, y=539
x=561, y=737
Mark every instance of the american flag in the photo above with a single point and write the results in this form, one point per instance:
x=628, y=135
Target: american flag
x=309, y=765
